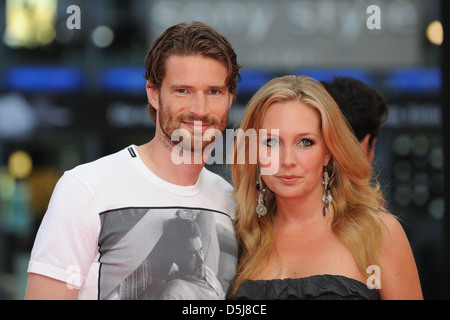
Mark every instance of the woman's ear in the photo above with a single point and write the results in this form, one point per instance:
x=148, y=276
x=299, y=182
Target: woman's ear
x=152, y=95
x=327, y=158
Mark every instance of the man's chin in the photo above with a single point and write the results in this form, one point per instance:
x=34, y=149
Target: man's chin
x=196, y=147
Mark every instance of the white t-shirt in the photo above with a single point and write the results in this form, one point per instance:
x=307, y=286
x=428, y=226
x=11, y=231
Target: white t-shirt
x=103, y=230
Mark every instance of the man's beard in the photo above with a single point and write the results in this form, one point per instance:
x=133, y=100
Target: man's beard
x=184, y=138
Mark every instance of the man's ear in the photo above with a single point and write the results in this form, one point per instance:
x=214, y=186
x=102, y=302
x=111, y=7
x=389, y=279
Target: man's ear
x=152, y=95
x=367, y=148
x=231, y=100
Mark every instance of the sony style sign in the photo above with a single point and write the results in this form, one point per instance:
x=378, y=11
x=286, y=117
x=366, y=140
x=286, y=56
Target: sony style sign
x=290, y=34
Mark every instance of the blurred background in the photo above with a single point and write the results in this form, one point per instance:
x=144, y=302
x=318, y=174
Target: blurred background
x=72, y=90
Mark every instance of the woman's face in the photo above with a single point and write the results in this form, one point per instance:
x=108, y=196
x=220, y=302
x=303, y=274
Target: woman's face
x=302, y=153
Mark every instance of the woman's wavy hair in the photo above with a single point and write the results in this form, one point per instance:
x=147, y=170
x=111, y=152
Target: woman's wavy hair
x=357, y=200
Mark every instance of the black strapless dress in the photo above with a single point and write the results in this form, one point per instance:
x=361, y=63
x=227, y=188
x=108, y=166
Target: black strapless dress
x=319, y=287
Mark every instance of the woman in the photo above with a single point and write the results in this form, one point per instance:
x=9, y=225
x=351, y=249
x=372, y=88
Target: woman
x=318, y=228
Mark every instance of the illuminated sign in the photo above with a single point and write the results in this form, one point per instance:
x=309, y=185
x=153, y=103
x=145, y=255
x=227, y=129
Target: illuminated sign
x=30, y=23
x=297, y=33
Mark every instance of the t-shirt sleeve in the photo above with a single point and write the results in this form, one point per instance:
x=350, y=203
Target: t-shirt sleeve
x=67, y=240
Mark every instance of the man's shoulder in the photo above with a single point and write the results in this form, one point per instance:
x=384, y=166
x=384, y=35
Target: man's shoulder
x=100, y=165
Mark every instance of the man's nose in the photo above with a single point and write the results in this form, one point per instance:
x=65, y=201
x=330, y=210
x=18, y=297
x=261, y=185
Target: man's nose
x=199, y=106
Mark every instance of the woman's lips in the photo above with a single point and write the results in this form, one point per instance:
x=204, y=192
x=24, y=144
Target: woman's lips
x=288, y=179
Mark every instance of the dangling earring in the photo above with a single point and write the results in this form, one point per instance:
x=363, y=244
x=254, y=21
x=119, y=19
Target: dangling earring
x=326, y=198
x=261, y=209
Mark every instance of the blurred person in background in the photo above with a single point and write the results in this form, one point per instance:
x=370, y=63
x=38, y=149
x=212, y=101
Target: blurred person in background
x=105, y=217
x=317, y=228
x=364, y=108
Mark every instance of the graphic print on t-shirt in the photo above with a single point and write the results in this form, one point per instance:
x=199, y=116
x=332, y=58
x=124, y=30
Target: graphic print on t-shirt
x=165, y=253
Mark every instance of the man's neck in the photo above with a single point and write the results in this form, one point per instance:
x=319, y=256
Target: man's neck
x=157, y=156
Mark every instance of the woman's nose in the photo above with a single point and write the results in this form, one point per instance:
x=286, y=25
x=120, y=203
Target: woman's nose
x=287, y=156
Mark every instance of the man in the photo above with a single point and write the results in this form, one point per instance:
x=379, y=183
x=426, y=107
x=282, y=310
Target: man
x=105, y=217
x=364, y=107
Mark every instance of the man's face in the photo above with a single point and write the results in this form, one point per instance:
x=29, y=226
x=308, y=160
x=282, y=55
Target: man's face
x=190, y=261
x=193, y=90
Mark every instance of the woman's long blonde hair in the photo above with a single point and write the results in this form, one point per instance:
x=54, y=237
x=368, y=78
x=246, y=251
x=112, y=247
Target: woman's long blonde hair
x=357, y=200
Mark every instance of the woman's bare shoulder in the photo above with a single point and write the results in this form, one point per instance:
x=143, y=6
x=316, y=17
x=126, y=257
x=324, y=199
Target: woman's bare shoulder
x=400, y=279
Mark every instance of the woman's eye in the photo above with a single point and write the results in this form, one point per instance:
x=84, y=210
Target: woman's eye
x=306, y=142
x=272, y=142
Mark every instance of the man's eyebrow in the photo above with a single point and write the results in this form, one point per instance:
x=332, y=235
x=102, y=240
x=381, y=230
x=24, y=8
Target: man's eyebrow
x=217, y=86
x=173, y=86
x=188, y=86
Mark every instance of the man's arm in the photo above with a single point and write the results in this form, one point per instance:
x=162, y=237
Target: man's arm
x=44, y=288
